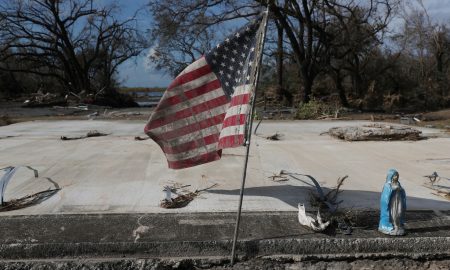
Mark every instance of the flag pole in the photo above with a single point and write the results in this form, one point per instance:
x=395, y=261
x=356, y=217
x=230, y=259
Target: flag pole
x=258, y=59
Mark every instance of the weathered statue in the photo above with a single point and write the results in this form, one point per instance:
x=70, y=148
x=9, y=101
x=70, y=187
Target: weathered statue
x=392, y=206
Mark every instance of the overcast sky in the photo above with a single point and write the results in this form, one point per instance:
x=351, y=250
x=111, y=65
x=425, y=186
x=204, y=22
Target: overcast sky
x=140, y=73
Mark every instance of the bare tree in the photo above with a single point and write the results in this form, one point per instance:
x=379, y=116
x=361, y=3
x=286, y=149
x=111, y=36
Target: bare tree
x=304, y=23
x=73, y=41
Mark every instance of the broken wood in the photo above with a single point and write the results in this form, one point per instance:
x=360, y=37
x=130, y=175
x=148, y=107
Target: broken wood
x=275, y=137
x=91, y=133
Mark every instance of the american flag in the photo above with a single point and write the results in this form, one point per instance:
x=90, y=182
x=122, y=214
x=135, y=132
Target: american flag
x=206, y=107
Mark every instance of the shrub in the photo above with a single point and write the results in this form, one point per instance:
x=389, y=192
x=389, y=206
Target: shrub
x=315, y=109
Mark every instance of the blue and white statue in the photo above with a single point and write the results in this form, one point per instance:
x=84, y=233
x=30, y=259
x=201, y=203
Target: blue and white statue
x=392, y=206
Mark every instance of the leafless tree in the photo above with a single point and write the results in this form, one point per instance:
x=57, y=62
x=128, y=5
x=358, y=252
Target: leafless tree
x=305, y=24
x=75, y=41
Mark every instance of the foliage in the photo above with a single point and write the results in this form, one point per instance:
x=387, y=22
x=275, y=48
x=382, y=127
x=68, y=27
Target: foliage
x=315, y=109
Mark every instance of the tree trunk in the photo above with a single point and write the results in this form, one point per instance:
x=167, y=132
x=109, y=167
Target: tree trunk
x=279, y=62
x=439, y=63
x=341, y=90
x=307, y=88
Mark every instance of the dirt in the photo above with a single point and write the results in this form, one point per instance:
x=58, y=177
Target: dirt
x=345, y=264
x=257, y=263
x=16, y=113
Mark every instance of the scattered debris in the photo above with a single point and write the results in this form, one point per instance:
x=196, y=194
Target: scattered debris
x=434, y=178
x=91, y=133
x=39, y=99
x=93, y=115
x=376, y=132
x=181, y=200
x=279, y=177
x=26, y=200
x=407, y=120
x=7, y=137
x=331, y=198
x=9, y=173
x=443, y=191
x=326, y=202
x=308, y=220
x=139, y=138
x=275, y=137
x=345, y=228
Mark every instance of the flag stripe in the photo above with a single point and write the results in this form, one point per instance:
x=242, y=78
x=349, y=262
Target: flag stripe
x=232, y=130
x=188, y=85
x=232, y=136
x=191, y=103
x=242, y=89
x=202, y=107
x=174, y=149
x=191, y=119
x=192, y=152
x=190, y=94
x=173, y=133
x=195, y=135
x=205, y=158
x=196, y=64
x=234, y=120
x=240, y=99
x=231, y=141
x=188, y=137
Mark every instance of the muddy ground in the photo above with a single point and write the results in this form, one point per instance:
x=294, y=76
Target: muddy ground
x=266, y=264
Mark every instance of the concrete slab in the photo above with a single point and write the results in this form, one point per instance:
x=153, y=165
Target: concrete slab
x=117, y=174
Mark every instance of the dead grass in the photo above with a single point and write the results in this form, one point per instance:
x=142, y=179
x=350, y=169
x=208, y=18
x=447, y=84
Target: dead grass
x=443, y=115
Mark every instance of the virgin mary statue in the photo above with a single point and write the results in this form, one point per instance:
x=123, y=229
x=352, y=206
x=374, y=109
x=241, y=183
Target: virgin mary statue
x=392, y=206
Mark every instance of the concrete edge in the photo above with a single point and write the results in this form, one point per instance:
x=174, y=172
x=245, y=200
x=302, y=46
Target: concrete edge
x=317, y=247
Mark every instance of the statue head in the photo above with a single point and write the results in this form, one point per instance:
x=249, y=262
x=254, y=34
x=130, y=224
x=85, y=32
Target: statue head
x=392, y=176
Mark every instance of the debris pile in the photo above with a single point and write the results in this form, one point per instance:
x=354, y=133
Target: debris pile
x=176, y=196
x=39, y=99
x=330, y=198
x=325, y=203
x=375, y=132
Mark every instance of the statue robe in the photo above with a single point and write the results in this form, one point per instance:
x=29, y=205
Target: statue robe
x=392, y=205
